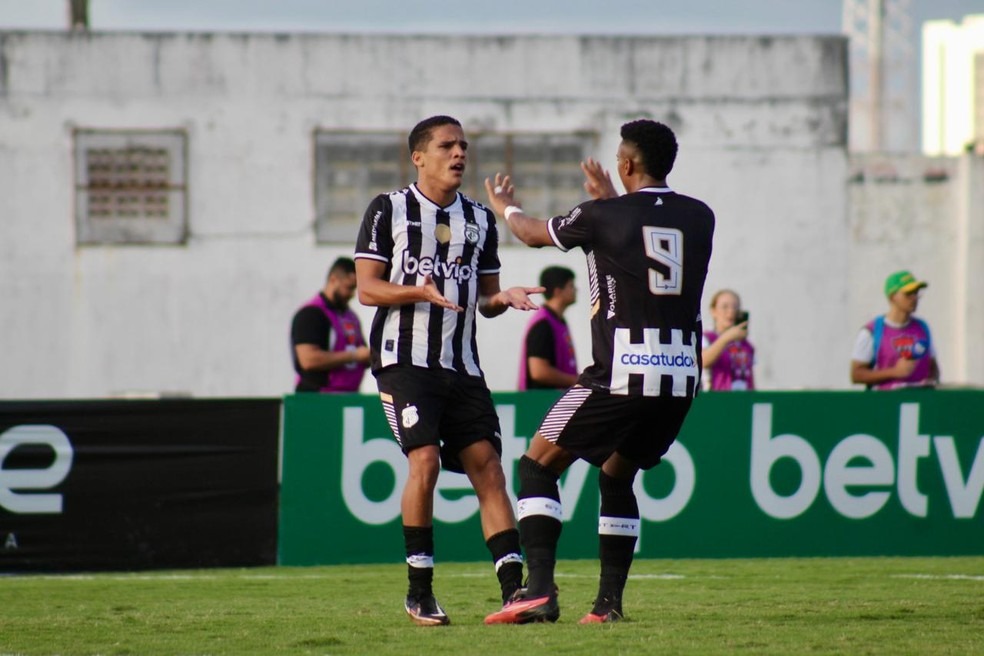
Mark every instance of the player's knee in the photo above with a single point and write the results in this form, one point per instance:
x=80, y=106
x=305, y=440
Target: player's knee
x=614, y=485
x=424, y=463
x=486, y=475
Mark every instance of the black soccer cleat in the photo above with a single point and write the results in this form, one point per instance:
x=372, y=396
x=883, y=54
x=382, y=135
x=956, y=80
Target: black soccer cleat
x=425, y=611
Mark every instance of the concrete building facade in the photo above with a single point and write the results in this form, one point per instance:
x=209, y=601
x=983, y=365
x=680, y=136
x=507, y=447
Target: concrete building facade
x=196, y=297
x=953, y=86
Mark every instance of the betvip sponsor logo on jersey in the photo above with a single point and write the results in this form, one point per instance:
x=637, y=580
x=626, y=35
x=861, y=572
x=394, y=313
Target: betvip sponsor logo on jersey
x=653, y=360
x=18, y=486
x=428, y=266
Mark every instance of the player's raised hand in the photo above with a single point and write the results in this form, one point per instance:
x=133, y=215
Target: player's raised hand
x=518, y=297
x=597, y=181
x=434, y=296
x=500, y=191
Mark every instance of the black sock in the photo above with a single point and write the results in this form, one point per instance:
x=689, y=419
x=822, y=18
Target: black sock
x=508, y=561
x=618, y=531
x=539, y=524
x=419, y=542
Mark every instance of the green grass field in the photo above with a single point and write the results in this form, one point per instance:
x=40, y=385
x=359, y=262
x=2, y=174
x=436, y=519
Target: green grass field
x=763, y=606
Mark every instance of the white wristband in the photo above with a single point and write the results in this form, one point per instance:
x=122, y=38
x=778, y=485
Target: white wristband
x=512, y=209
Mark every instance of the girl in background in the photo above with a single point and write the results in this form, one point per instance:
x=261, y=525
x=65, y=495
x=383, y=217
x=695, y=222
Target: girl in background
x=728, y=355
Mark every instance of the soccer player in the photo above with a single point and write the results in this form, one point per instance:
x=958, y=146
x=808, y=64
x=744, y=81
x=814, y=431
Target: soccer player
x=427, y=257
x=647, y=254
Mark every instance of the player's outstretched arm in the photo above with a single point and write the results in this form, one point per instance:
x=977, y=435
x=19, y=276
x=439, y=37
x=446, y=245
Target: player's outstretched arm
x=529, y=230
x=493, y=301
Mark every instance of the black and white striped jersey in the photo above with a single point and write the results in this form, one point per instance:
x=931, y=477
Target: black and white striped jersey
x=414, y=237
x=647, y=253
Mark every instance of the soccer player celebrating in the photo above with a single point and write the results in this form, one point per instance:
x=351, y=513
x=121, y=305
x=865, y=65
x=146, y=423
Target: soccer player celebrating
x=647, y=254
x=427, y=257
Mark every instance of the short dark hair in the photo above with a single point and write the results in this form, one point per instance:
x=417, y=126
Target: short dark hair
x=656, y=143
x=344, y=266
x=420, y=135
x=553, y=278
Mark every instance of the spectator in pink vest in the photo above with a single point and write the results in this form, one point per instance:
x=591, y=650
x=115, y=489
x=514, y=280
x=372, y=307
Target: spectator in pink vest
x=548, y=359
x=727, y=354
x=895, y=349
x=330, y=353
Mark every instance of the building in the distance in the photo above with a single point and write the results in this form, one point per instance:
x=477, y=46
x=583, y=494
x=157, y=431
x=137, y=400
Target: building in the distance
x=953, y=86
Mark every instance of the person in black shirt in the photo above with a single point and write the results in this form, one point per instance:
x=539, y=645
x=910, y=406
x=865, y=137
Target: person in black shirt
x=427, y=258
x=548, y=360
x=648, y=253
x=329, y=352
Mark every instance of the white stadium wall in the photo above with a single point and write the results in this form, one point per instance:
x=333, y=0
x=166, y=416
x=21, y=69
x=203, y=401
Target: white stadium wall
x=761, y=123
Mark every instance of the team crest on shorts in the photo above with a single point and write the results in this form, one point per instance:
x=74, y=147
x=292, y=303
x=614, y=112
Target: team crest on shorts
x=471, y=233
x=410, y=416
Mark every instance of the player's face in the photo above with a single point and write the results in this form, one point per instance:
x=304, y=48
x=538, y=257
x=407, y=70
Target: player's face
x=343, y=289
x=626, y=151
x=441, y=163
x=725, y=311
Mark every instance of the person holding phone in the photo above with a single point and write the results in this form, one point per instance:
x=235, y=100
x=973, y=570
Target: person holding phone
x=727, y=354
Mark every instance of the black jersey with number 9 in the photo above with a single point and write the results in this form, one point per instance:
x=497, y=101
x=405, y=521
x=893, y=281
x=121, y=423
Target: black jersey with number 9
x=647, y=260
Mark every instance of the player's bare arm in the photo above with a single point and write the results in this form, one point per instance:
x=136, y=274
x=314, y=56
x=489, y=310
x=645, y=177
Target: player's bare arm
x=376, y=292
x=493, y=301
x=529, y=230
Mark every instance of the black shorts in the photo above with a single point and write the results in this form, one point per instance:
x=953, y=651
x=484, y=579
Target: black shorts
x=438, y=406
x=593, y=425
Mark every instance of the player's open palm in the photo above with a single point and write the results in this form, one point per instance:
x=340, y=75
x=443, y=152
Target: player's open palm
x=433, y=295
x=519, y=297
x=597, y=181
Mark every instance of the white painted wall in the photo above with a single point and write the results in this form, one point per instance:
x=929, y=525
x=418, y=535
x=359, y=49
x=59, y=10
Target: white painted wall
x=935, y=228
x=761, y=123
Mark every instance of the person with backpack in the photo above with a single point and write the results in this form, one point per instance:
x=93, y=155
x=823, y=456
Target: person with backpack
x=895, y=350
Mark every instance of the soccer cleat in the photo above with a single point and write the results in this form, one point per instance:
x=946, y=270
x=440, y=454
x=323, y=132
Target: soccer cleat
x=605, y=611
x=425, y=611
x=521, y=609
x=603, y=618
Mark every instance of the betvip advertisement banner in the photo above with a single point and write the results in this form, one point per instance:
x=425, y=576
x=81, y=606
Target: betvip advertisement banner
x=123, y=485
x=752, y=474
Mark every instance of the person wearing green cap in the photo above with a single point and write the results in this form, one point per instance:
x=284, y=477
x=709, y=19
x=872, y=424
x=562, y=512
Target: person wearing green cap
x=895, y=350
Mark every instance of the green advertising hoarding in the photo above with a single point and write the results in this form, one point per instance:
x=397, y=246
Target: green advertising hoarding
x=751, y=475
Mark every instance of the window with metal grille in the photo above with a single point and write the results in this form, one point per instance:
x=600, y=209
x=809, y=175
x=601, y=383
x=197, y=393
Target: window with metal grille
x=131, y=187
x=351, y=168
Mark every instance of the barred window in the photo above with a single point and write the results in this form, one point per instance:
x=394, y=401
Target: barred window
x=351, y=168
x=131, y=187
